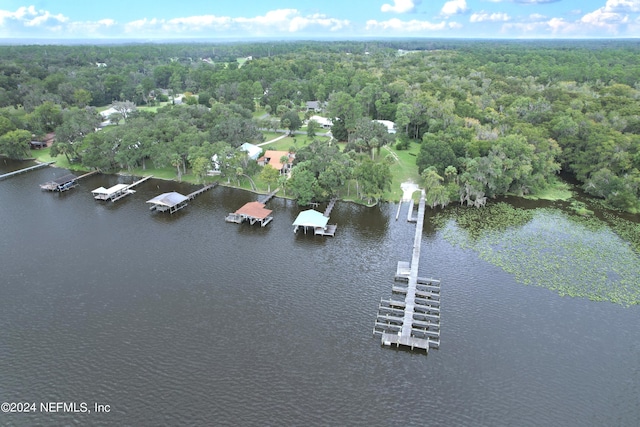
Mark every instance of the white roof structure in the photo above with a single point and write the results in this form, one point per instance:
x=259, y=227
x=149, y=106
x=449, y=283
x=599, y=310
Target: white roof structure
x=253, y=151
x=109, y=191
x=311, y=218
x=322, y=121
x=391, y=126
x=168, y=199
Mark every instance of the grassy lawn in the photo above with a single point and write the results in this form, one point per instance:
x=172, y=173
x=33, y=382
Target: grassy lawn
x=44, y=156
x=402, y=170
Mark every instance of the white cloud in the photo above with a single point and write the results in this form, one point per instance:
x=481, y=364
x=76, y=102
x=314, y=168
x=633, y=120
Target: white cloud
x=602, y=19
x=273, y=22
x=397, y=25
x=30, y=17
x=454, y=7
x=400, y=6
x=489, y=17
x=622, y=6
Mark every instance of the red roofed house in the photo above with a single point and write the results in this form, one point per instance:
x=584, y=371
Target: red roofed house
x=272, y=157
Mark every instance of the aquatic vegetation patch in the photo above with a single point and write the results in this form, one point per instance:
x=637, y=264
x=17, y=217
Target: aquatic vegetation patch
x=571, y=255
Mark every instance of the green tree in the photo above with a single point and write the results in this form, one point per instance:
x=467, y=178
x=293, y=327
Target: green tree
x=270, y=175
x=15, y=144
x=312, y=127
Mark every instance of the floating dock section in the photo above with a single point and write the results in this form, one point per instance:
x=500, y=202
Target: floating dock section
x=30, y=168
x=118, y=191
x=173, y=201
x=411, y=318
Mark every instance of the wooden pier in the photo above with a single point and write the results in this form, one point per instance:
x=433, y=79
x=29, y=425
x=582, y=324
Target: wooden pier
x=264, y=199
x=411, y=318
x=332, y=203
x=198, y=192
x=30, y=168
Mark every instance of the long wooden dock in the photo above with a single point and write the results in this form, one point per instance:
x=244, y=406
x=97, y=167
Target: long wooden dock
x=30, y=168
x=332, y=203
x=411, y=318
x=265, y=198
x=198, y=192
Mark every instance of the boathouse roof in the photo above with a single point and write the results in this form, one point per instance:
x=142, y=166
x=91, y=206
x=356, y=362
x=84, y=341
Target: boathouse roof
x=311, y=218
x=254, y=210
x=168, y=199
x=64, y=179
x=110, y=190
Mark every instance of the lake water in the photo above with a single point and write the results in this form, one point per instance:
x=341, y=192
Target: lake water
x=185, y=319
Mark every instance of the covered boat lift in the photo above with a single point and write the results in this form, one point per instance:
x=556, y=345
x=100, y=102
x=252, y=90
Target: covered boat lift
x=64, y=183
x=171, y=202
x=315, y=220
x=254, y=212
x=114, y=193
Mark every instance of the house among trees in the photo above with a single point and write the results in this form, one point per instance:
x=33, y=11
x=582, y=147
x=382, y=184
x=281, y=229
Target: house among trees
x=315, y=106
x=322, y=121
x=275, y=159
x=253, y=151
x=36, y=145
x=391, y=126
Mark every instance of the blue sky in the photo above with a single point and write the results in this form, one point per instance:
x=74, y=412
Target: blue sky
x=301, y=19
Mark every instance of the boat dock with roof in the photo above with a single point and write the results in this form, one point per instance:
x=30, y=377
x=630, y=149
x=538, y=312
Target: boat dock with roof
x=65, y=182
x=60, y=184
x=118, y=191
x=411, y=318
x=318, y=222
x=173, y=201
x=254, y=212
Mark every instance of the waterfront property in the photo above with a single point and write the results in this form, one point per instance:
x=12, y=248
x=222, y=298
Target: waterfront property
x=168, y=202
x=411, y=318
x=274, y=158
x=254, y=212
x=312, y=219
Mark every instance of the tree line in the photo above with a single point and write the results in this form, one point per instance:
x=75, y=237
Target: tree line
x=491, y=117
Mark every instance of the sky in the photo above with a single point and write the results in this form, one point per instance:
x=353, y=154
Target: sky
x=302, y=19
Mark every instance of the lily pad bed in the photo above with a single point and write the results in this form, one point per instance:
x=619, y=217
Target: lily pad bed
x=547, y=247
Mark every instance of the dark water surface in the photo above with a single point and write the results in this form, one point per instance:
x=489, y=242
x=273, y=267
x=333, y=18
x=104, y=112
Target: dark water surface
x=187, y=320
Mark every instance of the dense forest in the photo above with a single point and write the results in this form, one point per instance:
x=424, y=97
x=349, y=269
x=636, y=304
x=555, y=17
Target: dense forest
x=491, y=117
